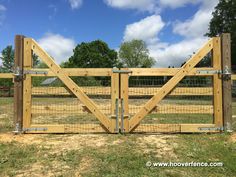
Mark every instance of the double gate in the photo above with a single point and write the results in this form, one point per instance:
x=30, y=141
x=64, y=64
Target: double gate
x=192, y=98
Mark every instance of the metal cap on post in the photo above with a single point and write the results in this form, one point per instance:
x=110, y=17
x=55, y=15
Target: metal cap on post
x=18, y=83
x=226, y=81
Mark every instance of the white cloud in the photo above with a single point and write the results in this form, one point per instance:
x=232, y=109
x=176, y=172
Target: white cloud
x=141, y=5
x=198, y=24
x=59, y=47
x=146, y=29
x=192, y=30
x=75, y=4
x=175, y=54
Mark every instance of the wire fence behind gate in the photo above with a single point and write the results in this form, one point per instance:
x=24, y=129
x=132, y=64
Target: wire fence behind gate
x=6, y=105
x=53, y=103
x=190, y=102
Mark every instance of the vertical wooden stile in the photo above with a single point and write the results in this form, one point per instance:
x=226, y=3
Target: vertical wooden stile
x=114, y=101
x=217, y=83
x=124, y=95
x=27, y=88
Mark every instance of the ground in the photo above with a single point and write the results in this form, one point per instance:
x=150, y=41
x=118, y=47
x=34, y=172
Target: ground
x=115, y=155
x=82, y=155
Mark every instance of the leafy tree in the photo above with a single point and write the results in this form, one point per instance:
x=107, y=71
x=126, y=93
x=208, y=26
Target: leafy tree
x=7, y=59
x=224, y=21
x=134, y=54
x=8, y=64
x=95, y=54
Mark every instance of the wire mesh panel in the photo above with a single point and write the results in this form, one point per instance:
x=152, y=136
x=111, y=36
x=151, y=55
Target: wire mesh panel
x=54, y=104
x=6, y=104
x=190, y=102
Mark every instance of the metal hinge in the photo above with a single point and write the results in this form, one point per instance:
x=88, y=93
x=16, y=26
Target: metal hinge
x=34, y=129
x=226, y=71
x=35, y=72
x=17, y=72
x=211, y=128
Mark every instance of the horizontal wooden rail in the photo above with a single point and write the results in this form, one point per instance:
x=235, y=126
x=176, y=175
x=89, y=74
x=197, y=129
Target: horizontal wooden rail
x=6, y=75
x=133, y=91
x=166, y=71
x=174, y=128
x=134, y=71
x=233, y=77
x=142, y=128
x=69, y=128
x=106, y=109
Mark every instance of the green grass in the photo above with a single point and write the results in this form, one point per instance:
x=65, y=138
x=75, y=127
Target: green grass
x=208, y=148
x=15, y=156
x=126, y=158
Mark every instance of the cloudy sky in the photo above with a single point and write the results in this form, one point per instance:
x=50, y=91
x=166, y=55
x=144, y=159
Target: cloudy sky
x=172, y=29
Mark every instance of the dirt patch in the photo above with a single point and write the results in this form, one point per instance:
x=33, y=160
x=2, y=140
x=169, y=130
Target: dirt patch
x=37, y=169
x=233, y=138
x=84, y=166
x=58, y=143
x=24, y=138
x=158, y=144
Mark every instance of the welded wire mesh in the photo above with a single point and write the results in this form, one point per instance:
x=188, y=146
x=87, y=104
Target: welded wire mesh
x=6, y=104
x=54, y=103
x=190, y=102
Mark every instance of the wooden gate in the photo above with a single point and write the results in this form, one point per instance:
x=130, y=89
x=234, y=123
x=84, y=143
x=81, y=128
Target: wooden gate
x=147, y=100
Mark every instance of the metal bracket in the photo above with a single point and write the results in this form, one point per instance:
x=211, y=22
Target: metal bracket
x=35, y=72
x=34, y=129
x=209, y=71
x=19, y=74
x=17, y=129
x=226, y=71
x=121, y=71
x=211, y=128
x=122, y=130
x=117, y=116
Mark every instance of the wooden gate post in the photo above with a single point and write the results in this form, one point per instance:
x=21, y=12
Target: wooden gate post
x=226, y=80
x=18, y=83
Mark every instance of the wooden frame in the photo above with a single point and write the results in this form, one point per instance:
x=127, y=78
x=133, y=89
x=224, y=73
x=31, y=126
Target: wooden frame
x=120, y=91
x=32, y=46
x=165, y=90
x=27, y=84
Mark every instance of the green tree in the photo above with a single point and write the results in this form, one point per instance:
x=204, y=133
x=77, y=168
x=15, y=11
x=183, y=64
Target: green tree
x=7, y=59
x=134, y=54
x=95, y=54
x=224, y=21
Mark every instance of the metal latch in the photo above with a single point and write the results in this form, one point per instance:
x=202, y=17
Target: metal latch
x=34, y=129
x=211, y=128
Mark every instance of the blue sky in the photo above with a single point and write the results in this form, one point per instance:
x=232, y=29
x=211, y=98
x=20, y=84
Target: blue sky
x=171, y=29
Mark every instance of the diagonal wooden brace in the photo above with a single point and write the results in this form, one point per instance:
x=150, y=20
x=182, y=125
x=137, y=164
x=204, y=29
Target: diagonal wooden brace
x=74, y=88
x=186, y=68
